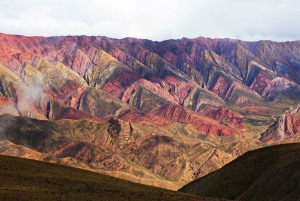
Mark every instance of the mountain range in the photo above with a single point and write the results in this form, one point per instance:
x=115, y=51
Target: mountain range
x=158, y=113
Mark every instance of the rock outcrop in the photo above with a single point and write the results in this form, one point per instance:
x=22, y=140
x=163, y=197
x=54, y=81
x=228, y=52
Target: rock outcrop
x=285, y=129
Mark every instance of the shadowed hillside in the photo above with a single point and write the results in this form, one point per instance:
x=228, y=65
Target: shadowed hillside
x=23, y=179
x=270, y=173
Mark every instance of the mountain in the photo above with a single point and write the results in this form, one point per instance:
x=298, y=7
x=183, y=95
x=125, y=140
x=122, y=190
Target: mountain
x=23, y=179
x=270, y=173
x=159, y=113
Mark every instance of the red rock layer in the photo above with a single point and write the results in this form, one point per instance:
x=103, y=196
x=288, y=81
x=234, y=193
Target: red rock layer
x=200, y=122
x=144, y=118
x=284, y=129
x=5, y=101
x=234, y=119
x=71, y=113
x=221, y=86
x=261, y=81
x=171, y=89
x=148, y=85
x=180, y=90
x=280, y=84
x=119, y=82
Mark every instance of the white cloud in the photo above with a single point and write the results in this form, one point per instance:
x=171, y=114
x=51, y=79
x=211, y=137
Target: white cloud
x=156, y=19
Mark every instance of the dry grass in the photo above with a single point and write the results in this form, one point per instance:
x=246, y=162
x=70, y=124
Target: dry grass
x=270, y=173
x=23, y=179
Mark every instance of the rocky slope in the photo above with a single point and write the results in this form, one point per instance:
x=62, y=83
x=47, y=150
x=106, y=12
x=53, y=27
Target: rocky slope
x=160, y=113
x=143, y=154
x=285, y=129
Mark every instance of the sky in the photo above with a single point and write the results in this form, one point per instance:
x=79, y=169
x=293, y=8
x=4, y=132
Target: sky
x=249, y=20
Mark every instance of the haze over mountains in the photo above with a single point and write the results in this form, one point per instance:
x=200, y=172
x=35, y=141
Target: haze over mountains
x=159, y=113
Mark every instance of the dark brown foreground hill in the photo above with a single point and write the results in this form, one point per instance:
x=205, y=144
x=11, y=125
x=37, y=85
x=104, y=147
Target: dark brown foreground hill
x=271, y=173
x=23, y=179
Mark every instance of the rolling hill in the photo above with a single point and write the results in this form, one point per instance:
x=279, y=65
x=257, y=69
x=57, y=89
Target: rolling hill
x=23, y=179
x=270, y=173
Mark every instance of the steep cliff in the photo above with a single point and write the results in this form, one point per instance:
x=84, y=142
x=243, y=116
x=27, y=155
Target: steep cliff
x=285, y=129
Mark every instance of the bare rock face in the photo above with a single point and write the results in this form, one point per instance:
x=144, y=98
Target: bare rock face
x=210, y=63
x=238, y=86
x=200, y=99
x=285, y=129
x=280, y=85
x=270, y=53
x=86, y=60
x=119, y=82
x=150, y=86
x=170, y=89
x=142, y=118
x=233, y=119
x=58, y=111
x=261, y=80
x=221, y=86
x=180, y=90
x=200, y=122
